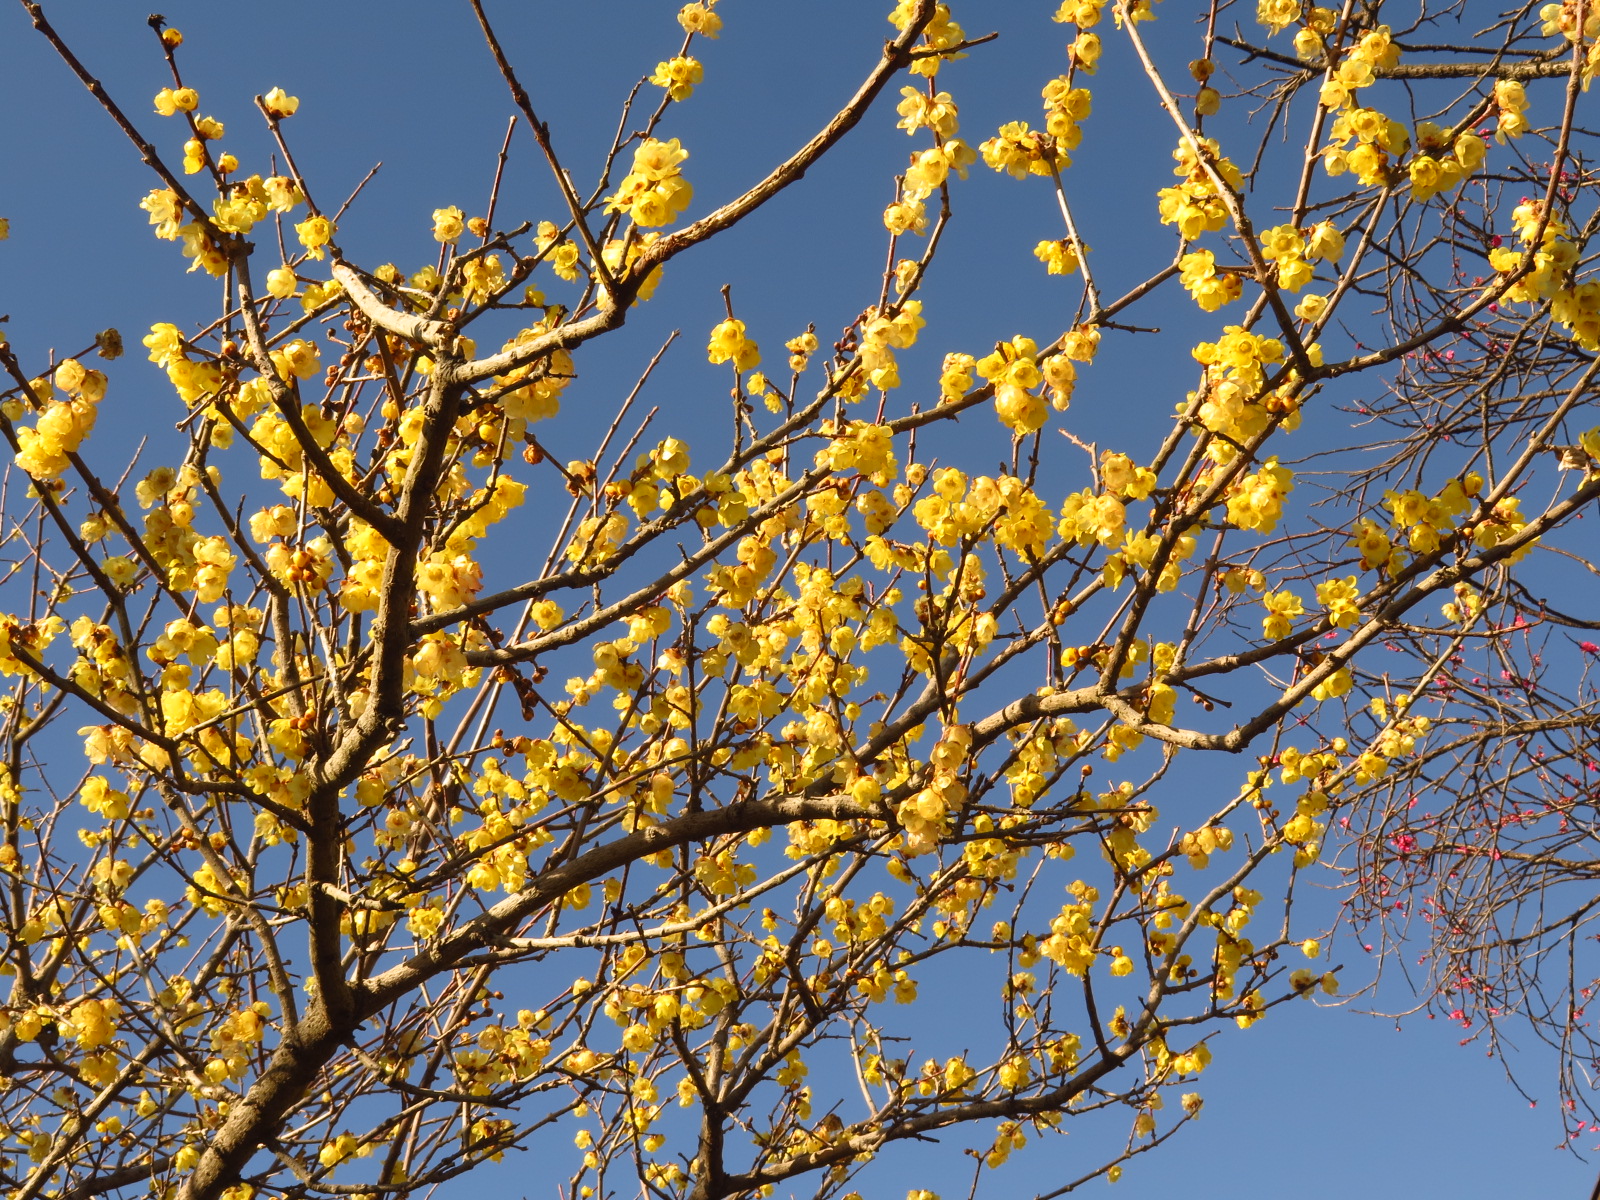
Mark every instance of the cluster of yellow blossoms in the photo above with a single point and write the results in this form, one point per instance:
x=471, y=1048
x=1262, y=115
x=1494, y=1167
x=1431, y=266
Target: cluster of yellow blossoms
x=242, y=204
x=1233, y=402
x=1293, y=252
x=882, y=333
x=678, y=75
x=699, y=18
x=1373, y=51
x=1020, y=151
x=936, y=112
x=940, y=34
x=1543, y=269
x=1196, y=205
x=1083, y=52
x=654, y=192
x=62, y=425
x=1563, y=18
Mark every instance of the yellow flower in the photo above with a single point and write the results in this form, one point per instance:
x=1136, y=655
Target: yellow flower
x=1277, y=15
x=918, y=110
x=729, y=344
x=281, y=193
x=1020, y=151
x=1211, y=290
x=905, y=216
x=448, y=224
x=335, y=1152
x=1311, y=307
x=315, y=233
x=281, y=282
x=698, y=18
x=1333, y=686
x=121, y=570
x=1059, y=257
x=1325, y=242
x=279, y=104
x=1085, y=52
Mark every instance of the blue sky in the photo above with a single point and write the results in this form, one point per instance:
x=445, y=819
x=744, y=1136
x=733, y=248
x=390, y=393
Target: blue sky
x=1308, y=1103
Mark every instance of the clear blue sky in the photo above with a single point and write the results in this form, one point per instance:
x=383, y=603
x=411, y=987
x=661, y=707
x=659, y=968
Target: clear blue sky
x=1314, y=1104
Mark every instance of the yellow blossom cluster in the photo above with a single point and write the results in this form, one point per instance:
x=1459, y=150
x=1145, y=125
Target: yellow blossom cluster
x=1424, y=519
x=654, y=191
x=729, y=344
x=62, y=426
x=1196, y=205
x=1439, y=166
x=923, y=814
x=1378, y=138
x=1563, y=19
x=1085, y=14
x=246, y=202
x=314, y=235
x=884, y=332
x=1255, y=501
x=1511, y=104
x=1065, y=108
x=1138, y=553
x=1072, y=941
x=529, y=393
x=1543, y=269
x=1372, y=52
x=678, y=75
x=1210, y=288
x=1233, y=400
x=940, y=33
x=930, y=168
x=1200, y=845
x=955, y=376
x=620, y=254
x=934, y=111
x=1013, y=371
x=698, y=18
x=596, y=538
x=1294, y=252
x=1088, y=518
x=1060, y=257
x=959, y=509
x=1277, y=15
x=1020, y=151
x=864, y=448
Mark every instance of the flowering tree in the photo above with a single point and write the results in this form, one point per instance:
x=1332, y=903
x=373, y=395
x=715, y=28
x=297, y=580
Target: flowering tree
x=342, y=857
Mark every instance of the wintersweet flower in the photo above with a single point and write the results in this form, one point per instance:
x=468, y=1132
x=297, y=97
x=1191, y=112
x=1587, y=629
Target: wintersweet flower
x=279, y=104
x=448, y=224
x=679, y=76
x=698, y=18
x=315, y=233
x=729, y=344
